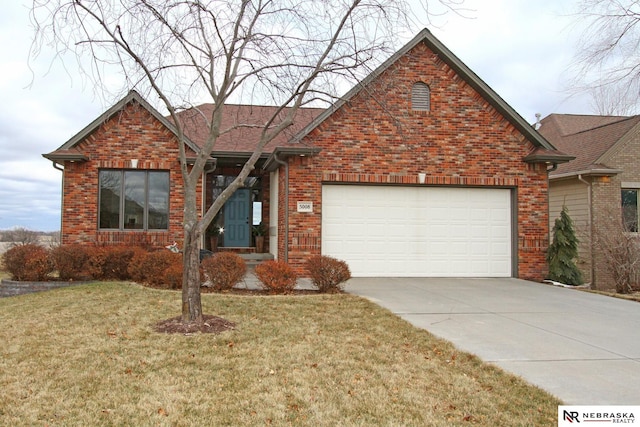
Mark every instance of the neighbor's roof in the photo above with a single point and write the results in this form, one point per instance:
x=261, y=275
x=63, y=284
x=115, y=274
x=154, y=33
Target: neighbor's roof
x=586, y=137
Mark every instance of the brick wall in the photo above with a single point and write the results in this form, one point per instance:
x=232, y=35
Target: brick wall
x=376, y=138
x=131, y=134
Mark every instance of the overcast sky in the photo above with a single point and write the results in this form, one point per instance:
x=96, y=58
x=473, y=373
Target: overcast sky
x=522, y=49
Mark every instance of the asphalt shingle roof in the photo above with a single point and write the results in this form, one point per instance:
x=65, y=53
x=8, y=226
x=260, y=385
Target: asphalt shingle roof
x=243, y=138
x=586, y=137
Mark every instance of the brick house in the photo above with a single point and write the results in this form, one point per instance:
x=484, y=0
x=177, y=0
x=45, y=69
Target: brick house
x=600, y=187
x=419, y=170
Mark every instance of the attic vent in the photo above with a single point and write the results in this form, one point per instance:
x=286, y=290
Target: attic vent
x=420, y=97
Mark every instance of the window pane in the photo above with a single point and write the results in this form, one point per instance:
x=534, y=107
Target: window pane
x=134, y=199
x=158, y=200
x=630, y=210
x=257, y=213
x=110, y=188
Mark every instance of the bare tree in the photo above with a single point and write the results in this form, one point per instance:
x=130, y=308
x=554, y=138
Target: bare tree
x=608, y=56
x=21, y=236
x=619, y=252
x=613, y=100
x=287, y=53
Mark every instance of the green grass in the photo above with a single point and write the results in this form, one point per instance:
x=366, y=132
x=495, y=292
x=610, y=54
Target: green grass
x=87, y=355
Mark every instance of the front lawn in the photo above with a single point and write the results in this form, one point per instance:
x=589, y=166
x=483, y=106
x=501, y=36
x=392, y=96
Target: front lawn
x=87, y=355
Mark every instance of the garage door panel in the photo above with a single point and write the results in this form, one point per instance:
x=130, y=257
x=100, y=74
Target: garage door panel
x=418, y=231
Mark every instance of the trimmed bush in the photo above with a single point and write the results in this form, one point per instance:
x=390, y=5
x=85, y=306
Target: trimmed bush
x=328, y=274
x=151, y=267
x=173, y=274
x=28, y=262
x=136, y=267
x=71, y=262
x=112, y=262
x=276, y=276
x=224, y=270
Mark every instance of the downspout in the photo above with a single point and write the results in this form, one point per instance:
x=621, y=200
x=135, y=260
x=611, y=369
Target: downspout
x=55, y=166
x=286, y=206
x=590, y=220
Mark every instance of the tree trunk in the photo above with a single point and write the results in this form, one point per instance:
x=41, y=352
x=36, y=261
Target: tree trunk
x=191, y=302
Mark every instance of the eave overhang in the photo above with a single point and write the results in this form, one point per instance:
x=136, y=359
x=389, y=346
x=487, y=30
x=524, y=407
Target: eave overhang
x=62, y=156
x=280, y=153
x=542, y=155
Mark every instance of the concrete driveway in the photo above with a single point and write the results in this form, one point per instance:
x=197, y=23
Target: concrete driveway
x=583, y=348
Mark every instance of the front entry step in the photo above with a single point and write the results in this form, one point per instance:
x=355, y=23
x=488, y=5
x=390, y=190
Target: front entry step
x=254, y=259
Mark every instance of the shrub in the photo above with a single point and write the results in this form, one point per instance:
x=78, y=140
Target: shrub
x=28, y=262
x=112, y=262
x=224, y=270
x=156, y=265
x=328, y=274
x=71, y=262
x=276, y=276
x=173, y=273
x=136, y=268
x=563, y=250
x=620, y=257
x=151, y=267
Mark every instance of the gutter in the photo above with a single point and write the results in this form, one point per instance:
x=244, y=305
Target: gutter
x=587, y=172
x=61, y=169
x=286, y=210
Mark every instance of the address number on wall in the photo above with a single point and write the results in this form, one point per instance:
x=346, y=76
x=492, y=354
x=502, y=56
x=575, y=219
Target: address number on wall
x=305, y=206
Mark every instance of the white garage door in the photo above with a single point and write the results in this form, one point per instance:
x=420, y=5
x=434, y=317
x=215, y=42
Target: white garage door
x=392, y=231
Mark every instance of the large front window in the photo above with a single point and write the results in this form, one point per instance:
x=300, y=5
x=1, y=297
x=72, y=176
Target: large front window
x=134, y=200
x=630, y=209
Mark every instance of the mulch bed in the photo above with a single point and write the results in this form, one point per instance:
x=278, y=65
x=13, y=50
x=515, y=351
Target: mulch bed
x=210, y=325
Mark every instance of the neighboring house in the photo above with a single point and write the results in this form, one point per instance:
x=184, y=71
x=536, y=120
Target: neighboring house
x=420, y=170
x=600, y=187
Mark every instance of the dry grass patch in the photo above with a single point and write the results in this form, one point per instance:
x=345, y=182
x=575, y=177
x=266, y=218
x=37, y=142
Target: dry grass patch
x=634, y=296
x=88, y=356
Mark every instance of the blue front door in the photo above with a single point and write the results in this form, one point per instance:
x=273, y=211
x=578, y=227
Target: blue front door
x=236, y=219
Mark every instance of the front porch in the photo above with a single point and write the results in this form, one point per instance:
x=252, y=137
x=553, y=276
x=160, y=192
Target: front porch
x=239, y=226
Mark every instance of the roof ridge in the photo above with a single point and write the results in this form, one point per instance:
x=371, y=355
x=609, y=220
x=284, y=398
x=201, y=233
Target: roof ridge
x=622, y=119
x=232, y=104
x=618, y=119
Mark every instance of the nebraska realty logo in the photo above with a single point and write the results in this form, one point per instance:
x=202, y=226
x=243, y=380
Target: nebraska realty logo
x=597, y=415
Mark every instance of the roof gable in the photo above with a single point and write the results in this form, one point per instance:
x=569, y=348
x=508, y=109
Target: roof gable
x=68, y=151
x=545, y=151
x=589, y=138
